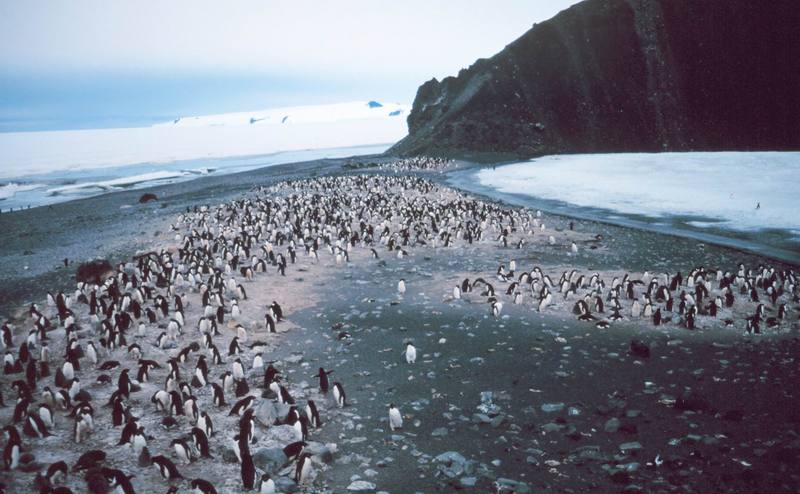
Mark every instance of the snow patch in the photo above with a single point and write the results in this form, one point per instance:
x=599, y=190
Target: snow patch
x=725, y=187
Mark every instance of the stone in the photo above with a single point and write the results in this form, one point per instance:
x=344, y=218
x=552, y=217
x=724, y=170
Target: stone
x=611, y=425
x=639, y=349
x=692, y=401
x=468, y=481
x=269, y=459
x=515, y=486
x=439, y=432
x=144, y=198
x=93, y=271
x=229, y=456
x=631, y=446
x=552, y=407
x=361, y=485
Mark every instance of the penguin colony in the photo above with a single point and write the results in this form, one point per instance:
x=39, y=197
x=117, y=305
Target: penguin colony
x=418, y=163
x=764, y=294
x=189, y=372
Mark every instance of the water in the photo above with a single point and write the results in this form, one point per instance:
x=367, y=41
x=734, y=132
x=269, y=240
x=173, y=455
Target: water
x=64, y=185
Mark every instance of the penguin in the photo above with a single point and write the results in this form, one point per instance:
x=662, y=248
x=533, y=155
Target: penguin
x=120, y=482
x=233, y=348
x=56, y=471
x=202, y=486
x=411, y=353
x=293, y=450
x=237, y=370
x=270, y=323
x=248, y=471
x=166, y=468
x=91, y=353
x=46, y=414
x=322, y=375
x=278, y=310
x=303, y=469
x=267, y=485
x=204, y=424
x=218, y=395
x=312, y=413
x=338, y=395
x=456, y=292
x=395, y=419
x=182, y=451
x=12, y=450
x=201, y=442
x=401, y=286
x=284, y=396
x=126, y=437
x=89, y=460
x=258, y=361
x=161, y=399
x=657, y=317
x=301, y=426
x=35, y=427
x=227, y=381
x=242, y=405
x=200, y=378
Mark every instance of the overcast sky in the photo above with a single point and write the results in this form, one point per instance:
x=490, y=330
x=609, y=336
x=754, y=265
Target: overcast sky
x=319, y=48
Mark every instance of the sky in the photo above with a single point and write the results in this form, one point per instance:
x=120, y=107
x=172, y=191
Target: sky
x=89, y=63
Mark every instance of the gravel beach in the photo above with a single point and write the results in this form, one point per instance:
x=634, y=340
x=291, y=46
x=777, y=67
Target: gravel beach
x=523, y=401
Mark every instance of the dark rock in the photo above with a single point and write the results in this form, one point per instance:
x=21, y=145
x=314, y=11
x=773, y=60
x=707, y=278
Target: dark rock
x=93, y=271
x=733, y=415
x=620, y=76
x=639, y=349
x=147, y=198
x=621, y=477
x=692, y=401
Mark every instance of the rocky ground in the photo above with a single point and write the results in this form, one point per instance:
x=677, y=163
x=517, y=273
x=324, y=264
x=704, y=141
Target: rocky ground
x=523, y=402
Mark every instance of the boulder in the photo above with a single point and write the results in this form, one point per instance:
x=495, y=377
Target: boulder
x=93, y=271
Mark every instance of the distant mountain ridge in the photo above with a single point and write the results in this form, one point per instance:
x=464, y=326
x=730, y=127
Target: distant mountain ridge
x=624, y=75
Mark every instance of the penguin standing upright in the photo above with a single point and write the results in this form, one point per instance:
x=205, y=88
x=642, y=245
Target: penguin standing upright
x=395, y=419
x=401, y=286
x=248, y=470
x=303, y=469
x=338, y=395
x=322, y=375
x=411, y=353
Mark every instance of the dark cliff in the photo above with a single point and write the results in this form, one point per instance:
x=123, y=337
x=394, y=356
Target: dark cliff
x=624, y=75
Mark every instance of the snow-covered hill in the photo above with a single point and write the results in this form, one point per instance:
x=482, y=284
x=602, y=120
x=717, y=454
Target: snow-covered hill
x=360, y=123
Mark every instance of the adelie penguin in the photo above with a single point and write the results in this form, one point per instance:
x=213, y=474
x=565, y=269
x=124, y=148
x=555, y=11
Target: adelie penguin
x=242, y=405
x=166, y=468
x=322, y=375
x=395, y=419
x=201, y=442
x=410, y=353
x=338, y=395
x=182, y=451
x=12, y=450
x=205, y=424
x=313, y=414
x=303, y=469
x=248, y=471
x=202, y=486
x=266, y=485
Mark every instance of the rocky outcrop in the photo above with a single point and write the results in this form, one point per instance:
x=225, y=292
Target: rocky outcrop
x=624, y=75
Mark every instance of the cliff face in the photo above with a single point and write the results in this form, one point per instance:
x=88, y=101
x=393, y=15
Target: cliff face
x=624, y=75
